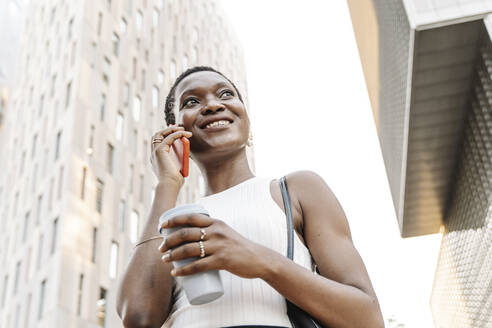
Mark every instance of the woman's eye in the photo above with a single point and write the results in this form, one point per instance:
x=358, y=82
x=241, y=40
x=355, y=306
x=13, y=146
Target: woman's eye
x=226, y=94
x=189, y=102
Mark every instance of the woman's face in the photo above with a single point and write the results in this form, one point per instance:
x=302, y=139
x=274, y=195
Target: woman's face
x=207, y=97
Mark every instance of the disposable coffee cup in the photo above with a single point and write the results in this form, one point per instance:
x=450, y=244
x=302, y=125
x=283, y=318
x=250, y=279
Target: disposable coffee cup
x=203, y=287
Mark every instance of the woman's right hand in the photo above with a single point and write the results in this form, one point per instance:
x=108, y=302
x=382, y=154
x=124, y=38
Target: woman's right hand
x=162, y=164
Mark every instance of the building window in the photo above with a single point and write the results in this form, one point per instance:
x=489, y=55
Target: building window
x=108, y=4
x=141, y=193
x=22, y=163
x=113, y=260
x=160, y=77
x=40, y=251
x=26, y=226
x=155, y=18
x=172, y=69
x=41, y=299
x=194, y=55
x=134, y=142
x=82, y=183
x=122, y=210
x=137, y=104
x=99, y=195
x=50, y=195
x=35, y=177
x=152, y=195
x=57, y=148
x=106, y=69
x=5, y=286
x=79, y=294
x=139, y=20
x=116, y=44
x=195, y=35
x=134, y=222
x=119, y=126
x=94, y=244
x=54, y=236
x=101, y=308
x=94, y=54
x=142, y=79
x=28, y=309
x=53, y=14
x=69, y=90
x=99, y=24
x=144, y=151
x=90, y=150
x=41, y=105
x=72, y=57
x=134, y=68
x=155, y=97
x=102, y=109
x=60, y=183
x=40, y=207
x=34, y=145
x=123, y=26
x=109, y=159
x=130, y=187
x=126, y=94
x=27, y=275
x=70, y=26
x=53, y=84
x=17, y=274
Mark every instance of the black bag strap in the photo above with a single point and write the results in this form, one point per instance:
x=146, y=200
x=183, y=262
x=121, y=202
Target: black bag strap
x=288, y=214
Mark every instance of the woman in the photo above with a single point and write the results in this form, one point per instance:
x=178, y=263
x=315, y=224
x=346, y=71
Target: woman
x=248, y=241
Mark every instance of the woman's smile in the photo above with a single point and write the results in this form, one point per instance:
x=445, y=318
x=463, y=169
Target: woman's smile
x=217, y=126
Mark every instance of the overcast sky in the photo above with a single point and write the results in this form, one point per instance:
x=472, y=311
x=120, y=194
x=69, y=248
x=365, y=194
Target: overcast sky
x=310, y=111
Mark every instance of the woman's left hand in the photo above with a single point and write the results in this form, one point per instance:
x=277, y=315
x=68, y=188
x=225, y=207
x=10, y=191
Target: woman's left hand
x=225, y=249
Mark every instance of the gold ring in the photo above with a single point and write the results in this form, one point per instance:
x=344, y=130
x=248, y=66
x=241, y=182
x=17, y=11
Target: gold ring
x=202, y=249
x=203, y=234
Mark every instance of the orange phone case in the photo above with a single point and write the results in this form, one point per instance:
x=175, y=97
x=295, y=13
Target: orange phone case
x=180, y=151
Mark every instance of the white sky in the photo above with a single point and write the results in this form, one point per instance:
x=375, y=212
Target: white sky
x=310, y=111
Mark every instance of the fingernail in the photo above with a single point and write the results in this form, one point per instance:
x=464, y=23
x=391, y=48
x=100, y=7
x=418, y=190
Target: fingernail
x=161, y=246
x=165, y=257
x=173, y=272
x=164, y=224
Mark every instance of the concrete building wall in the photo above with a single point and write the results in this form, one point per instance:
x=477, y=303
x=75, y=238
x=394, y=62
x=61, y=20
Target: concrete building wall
x=81, y=117
x=462, y=291
x=395, y=43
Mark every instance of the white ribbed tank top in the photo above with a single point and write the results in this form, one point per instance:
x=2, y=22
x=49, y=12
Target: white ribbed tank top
x=248, y=208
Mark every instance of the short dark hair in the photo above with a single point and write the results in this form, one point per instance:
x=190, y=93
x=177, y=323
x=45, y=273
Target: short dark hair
x=168, y=109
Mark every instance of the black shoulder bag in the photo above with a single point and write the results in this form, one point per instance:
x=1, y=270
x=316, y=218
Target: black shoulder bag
x=298, y=318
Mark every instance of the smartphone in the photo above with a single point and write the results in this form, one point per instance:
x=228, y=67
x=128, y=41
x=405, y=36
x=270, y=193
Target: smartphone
x=180, y=152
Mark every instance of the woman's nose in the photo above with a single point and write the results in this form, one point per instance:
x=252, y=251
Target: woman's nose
x=212, y=107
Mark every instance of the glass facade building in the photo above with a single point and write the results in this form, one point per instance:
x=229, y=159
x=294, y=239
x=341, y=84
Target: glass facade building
x=428, y=68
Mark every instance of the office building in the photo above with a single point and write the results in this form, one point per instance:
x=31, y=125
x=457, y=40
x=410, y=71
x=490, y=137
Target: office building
x=428, y=69
x=77, y=184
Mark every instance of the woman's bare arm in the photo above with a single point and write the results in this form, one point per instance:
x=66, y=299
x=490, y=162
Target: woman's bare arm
x=145, y=290
x=342, y=295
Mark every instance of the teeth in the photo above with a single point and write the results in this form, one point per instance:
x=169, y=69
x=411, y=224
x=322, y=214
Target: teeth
x=216, y=123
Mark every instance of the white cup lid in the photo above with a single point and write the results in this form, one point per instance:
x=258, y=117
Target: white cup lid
x=181, y=210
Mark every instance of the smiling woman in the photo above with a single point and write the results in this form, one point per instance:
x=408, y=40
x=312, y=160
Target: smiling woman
x=246, y=232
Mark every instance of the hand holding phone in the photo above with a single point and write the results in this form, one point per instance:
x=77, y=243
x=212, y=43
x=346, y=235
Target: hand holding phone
x=180, y=153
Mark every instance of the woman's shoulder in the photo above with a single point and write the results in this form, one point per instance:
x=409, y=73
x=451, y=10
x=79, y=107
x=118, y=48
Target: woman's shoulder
x=303, y=180
x=310, y=190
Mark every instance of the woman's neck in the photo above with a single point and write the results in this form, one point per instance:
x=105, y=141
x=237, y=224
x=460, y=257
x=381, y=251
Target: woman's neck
x=225, y=172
